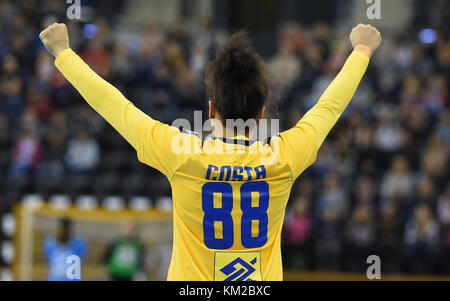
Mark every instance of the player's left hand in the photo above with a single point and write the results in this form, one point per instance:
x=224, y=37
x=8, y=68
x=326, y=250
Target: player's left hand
x=55, y=38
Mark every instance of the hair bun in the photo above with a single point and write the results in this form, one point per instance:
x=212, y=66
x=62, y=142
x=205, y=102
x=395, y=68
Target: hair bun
x=242, y=65
x=236, y=79
x=239, y=58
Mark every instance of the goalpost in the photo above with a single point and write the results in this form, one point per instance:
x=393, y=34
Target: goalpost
x=98, y=227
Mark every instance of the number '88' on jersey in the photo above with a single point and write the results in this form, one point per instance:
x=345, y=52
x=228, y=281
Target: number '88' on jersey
x=213, y=216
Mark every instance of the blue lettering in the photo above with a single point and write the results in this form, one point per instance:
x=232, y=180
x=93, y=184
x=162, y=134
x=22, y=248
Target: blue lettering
x=222, y=173
x=210, y=169
x=260, y=172
x=237, y=173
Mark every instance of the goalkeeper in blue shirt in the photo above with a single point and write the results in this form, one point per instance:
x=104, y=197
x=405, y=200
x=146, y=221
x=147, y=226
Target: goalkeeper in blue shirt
x=60, y=252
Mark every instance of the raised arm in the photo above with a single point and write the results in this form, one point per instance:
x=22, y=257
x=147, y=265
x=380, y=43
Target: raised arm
x=299, y=145
x=99, y=94
x=324, y=115
x=156, y=143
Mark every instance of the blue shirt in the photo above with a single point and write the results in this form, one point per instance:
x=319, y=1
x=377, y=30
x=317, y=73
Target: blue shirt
x=57, y=255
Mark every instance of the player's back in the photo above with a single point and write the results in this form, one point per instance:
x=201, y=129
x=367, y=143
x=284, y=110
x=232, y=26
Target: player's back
x=229, y=204
x=215, y=216
x=228, y=208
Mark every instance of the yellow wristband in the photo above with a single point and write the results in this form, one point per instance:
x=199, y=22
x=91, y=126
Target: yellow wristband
x=365, y=49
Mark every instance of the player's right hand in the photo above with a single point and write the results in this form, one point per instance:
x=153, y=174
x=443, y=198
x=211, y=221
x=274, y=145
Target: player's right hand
x=365, y=35
x=55, y=38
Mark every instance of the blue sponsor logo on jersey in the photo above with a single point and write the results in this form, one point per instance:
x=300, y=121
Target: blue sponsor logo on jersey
x=241, y=274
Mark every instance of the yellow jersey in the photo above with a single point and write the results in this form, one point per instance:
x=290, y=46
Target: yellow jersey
x=228, y=206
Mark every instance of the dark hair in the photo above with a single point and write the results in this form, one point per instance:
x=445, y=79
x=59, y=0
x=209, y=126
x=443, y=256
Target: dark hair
x=65, y=223
x=237, y=80
x=64, y=231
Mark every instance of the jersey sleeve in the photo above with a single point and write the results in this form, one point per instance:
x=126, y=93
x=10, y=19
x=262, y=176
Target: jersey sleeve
x=101, y=96
x=165, y=147
x=299, y=145
x=152, y=139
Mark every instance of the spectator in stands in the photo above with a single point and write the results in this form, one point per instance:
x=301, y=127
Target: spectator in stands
x=443, y=127
x=328, y=241
x=425, y=191
x=390, y=152
x=13, y=102
x=286, y=68
x=332, y=208
x=51, y=168
x=333, y=198
x=443, y=206
x=298, y=236
x=345, y=157
x=325, y=160
x=364, y=192
x=27, y=153
x=389, y=238
x=398, y=181
x=359, y=238
x=388, y=135
x=421, y=240
x=436, y=95
x=83, y=154
x=443, y=216
x=435, y=159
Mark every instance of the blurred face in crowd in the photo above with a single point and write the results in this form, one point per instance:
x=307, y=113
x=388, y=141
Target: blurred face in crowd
x=10, y=64
x=361, y=215
x=422, y=214
x=12, y=86
x=331, y=215
x=301, y=206
x=425, y=187
x=82, y=136
x=332, y=181
x=365, y=185
x=388, y=213
x=400, y=166
x=129, y=229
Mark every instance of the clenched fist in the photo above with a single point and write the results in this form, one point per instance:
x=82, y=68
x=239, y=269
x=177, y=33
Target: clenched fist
x=365, y=35
x=55, y=38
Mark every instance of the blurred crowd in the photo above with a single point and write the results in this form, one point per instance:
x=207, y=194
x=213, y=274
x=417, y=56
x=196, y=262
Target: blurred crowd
x=380, y=184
